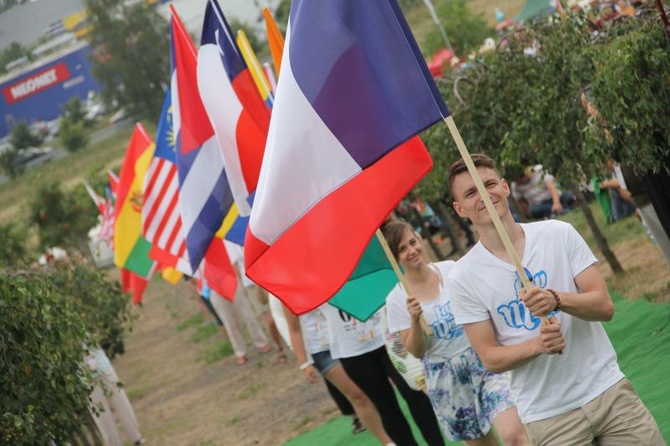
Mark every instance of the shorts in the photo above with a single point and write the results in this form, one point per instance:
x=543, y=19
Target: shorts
x=323, y=362
x=465, y=396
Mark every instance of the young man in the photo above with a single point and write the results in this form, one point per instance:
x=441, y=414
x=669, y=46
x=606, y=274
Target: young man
x=566, y=382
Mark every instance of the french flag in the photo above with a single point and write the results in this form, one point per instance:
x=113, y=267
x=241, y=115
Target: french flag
x=238, y=114
x=341, y=151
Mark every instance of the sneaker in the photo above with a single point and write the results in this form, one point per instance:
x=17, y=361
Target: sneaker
x=356, y=426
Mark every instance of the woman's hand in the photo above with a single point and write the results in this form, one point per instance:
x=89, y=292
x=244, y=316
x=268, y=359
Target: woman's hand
x=414, y=308
x=311, y=374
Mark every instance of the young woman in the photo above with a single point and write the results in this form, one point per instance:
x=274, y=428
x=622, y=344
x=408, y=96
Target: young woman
x=467, y=398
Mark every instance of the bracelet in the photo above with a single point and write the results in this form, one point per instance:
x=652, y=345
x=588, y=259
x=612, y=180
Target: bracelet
x=558, y=299
x=305, y=365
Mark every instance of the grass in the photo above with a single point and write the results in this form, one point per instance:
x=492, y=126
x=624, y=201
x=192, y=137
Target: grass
x=626, y=229
x=192, y=321
x=203, y=332
x=251, y=390
x=216, y=351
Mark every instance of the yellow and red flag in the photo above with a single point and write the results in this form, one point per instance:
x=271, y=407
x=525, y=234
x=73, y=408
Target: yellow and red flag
x=131, y=250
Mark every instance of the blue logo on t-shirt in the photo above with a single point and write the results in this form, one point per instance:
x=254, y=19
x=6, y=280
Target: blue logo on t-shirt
x=515, y=314
x=445, y=326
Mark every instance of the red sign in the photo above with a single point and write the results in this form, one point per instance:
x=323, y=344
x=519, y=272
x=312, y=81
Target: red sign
x=37, y=82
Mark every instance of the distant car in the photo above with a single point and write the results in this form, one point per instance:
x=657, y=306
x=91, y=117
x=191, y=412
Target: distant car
x=118, y=116
x=32, y=157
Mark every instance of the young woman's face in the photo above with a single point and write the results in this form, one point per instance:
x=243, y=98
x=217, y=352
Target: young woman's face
x=410, y=250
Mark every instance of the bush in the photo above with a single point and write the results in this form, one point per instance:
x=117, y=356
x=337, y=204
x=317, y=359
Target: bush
x=13, y=248
x=98, y=301
x=41, y=357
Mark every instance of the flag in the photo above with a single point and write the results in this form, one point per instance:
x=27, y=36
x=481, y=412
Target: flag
x=131, y=250
x=133, y=284
x=97, y=199
x=161, y=221
x=237, y=112
x=257, y=74
x=365, y=291
x=341, y=151
x=205, y=198
x=113, y=182
x=275, y=39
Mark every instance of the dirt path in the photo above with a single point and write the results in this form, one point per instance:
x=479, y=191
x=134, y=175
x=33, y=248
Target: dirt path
x=180, y=399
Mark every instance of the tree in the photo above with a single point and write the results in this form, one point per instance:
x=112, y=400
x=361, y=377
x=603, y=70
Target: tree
x=466, y=30
x=521, y=103
x=62, y=219
x=132, y=55
x=41, y=346
x=72, y=134
x=23, y=137
x=74, y=110
x=12, y=52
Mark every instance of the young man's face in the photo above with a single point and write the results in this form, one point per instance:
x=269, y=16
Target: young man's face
x=468, y=202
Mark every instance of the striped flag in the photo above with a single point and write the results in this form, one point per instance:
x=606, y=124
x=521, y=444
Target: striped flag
x=205, y=195
x=161, y=222
x=235, y=108
x=341, y=152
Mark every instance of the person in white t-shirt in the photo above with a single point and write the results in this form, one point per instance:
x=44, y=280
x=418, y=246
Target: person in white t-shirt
x=566, y=382
x=309, y=337
x=360, y=348
x=467, y=398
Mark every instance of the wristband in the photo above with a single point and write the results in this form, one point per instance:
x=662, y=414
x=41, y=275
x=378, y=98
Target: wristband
x=558, y=299
x=305, y=365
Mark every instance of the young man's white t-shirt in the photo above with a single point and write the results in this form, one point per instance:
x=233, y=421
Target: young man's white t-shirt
x=485, y=287
x=350, y=337
x=448, y=339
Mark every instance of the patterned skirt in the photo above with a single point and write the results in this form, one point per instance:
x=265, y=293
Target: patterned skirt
x=465, y=396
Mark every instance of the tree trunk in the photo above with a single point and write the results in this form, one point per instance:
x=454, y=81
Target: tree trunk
x=600, y=239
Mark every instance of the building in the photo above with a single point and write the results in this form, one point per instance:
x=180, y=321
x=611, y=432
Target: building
x=39, y=91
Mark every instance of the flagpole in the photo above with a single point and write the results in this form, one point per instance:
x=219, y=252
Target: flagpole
x=401, y=278
x=456, y=135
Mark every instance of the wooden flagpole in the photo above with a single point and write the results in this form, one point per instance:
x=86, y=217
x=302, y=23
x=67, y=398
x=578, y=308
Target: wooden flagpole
x=401, y=278
x=456, y=135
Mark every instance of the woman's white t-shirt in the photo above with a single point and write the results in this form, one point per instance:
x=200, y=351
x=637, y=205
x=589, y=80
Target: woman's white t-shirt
x=350, y=337
x=448, y=338
x=315, y=331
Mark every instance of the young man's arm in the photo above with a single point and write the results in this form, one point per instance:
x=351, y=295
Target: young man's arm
x=500, y=358
x=592, y=303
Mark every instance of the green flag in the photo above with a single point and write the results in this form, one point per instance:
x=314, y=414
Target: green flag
x=366, y=290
